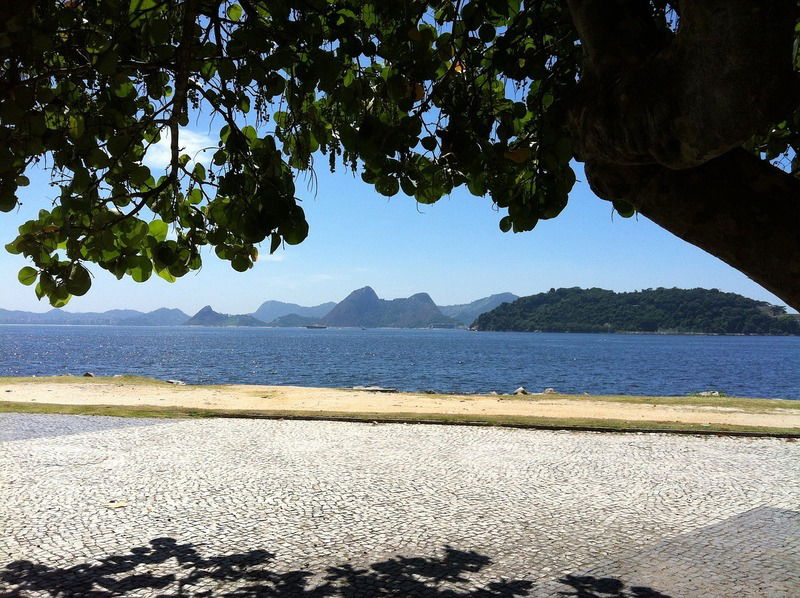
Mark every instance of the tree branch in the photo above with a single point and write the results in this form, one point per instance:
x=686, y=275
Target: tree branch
x=736, y=207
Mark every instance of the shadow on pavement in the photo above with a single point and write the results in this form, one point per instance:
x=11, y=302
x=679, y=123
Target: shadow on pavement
x=146, y=570
x=586, y=586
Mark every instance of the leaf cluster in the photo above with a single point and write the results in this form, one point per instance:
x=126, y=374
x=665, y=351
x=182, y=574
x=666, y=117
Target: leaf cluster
x=422, y=97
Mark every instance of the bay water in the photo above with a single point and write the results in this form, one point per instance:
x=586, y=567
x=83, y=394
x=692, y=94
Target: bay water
x=414, y=360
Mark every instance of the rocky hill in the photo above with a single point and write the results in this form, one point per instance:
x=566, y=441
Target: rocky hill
x=364, y=308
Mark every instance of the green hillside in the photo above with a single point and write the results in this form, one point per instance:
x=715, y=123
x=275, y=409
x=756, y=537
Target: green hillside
x=209, y=317
x=651, y=310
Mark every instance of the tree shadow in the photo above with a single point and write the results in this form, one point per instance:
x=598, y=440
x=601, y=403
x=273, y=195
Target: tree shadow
x=249, y=574
x=587, y=586
x=167, y=569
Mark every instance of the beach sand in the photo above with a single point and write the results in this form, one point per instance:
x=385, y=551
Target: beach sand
x=305, y=400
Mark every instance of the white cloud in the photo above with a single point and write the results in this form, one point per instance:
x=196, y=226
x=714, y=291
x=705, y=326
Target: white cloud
x=198, y=145
x=275, y=257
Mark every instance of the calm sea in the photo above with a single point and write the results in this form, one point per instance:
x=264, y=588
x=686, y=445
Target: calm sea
x=440, y=360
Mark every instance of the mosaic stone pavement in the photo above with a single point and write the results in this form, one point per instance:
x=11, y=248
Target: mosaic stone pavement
x=98, y=507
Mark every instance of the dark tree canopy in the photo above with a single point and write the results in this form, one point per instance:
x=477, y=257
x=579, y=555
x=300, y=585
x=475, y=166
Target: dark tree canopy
x=684, y=111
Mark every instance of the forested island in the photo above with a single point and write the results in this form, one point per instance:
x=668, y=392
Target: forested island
x=699, y=311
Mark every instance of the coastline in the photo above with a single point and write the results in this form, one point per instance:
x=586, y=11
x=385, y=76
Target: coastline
x=132, y=396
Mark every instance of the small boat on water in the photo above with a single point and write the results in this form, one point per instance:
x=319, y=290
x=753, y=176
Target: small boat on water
x=316, y=326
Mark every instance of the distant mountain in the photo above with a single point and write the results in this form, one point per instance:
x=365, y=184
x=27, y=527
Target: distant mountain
x=57, y=316
x=653, y=310
x=272, y=310
x=364, y=308
x=158, y=317
x=208, y=317
x=467, y=313
x=293, y=321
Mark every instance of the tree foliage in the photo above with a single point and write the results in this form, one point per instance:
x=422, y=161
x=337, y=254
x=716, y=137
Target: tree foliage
x=420, y=97
x=651, y=310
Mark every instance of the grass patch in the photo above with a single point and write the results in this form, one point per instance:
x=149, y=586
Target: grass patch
x=497, y=420
x=688, y=401
x=110, y=410
x=70, y=379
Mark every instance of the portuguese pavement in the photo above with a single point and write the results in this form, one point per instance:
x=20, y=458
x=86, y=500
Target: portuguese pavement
x=100, y=507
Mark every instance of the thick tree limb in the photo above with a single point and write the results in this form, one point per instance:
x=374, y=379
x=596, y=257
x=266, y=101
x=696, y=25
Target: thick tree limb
x=616, y=35
x=737, y=207
x=725, y=76
x=657, y=121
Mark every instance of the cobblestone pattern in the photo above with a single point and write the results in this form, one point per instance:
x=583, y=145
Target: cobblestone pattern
x=752, y=555
x=287, y=508
x=19, y=426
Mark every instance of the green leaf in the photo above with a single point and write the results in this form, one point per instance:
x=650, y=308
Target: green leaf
x=141, y=270
x=397, y=87
x=77, y=126
x=166, y=275
x=624, y=209
x=408, y=186
x=477, y=186
x=471, y=14
x=139, y=175
x=60, y=301
x=28, y=275
x=486, y=32
x=241, y=263
x=80, y=180
x=8, y=200
x=199, y=172
x=387, y=185
x=195, y=196
x=234, y=12
x=208, y=69
x=159, y=229
x=428, y=193
x=250, y=133
x=505, y=224
x=220, y=157
x=429, y=143
x=122, y=87
x=78, y=281
x=140, y=5
x=274, y=243
x=297, y=234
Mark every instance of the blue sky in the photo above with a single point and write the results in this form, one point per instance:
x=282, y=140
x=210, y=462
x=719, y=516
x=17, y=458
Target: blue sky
x=453, y=250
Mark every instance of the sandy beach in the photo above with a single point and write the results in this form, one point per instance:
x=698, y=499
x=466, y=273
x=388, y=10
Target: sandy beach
x=305, y=400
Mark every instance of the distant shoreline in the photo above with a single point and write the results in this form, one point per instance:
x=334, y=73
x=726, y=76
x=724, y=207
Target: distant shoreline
x=593, y=333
